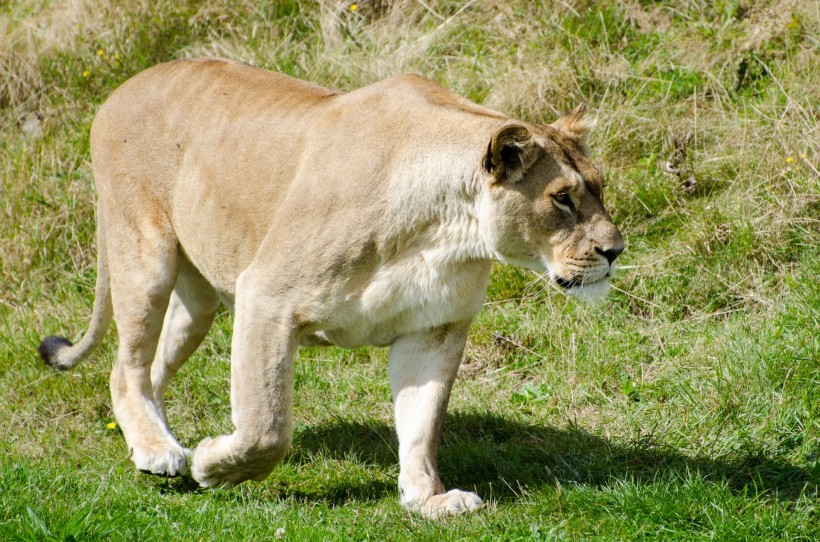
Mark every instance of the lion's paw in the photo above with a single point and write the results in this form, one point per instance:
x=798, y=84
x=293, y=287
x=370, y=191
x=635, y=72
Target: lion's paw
x=162, y=461
x=205, y=465
x=453, y=502
x=217, y=462
x=213, y=477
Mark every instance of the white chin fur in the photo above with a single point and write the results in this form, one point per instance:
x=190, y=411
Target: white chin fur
x=590, y=293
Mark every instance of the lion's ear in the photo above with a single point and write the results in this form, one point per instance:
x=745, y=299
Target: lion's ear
x=575, y=123
x=511, y=152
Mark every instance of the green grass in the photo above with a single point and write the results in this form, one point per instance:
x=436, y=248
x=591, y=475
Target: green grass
x=685, y=407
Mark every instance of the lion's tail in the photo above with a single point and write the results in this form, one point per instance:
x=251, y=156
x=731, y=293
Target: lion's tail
x=58, y=352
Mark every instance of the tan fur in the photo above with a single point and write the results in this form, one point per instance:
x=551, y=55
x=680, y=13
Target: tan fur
x=370, y=217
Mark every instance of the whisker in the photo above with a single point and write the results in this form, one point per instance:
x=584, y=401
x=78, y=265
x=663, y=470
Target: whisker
x=636, y=297
x=546, y=282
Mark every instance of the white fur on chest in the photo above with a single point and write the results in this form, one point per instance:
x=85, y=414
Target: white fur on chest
x=422, y=289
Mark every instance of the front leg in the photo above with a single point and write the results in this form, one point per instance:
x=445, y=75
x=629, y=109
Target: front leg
x=262, y=352
x=423, y=367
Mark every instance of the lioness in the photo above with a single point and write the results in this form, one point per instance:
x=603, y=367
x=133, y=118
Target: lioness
x=320, y=218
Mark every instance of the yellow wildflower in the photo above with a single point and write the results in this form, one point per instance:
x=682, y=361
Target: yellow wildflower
x=789, y=160
x=112, y=425
x=85, y=73
x=353, y=7
x=100, y=52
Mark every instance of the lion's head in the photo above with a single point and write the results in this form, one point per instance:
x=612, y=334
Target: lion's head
x=544, y=208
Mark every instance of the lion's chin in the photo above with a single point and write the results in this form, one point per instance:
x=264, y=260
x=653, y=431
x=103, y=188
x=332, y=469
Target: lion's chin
x=590, y=293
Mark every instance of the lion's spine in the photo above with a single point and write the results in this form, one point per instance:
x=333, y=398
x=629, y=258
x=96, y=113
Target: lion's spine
x=58, y=352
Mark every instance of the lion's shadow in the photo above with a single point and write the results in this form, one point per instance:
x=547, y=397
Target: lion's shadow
x=500, y=457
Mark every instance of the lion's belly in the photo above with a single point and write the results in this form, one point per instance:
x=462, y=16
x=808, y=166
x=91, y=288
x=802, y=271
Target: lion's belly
x=385, y=332
x=364, y=331
x=406, y=298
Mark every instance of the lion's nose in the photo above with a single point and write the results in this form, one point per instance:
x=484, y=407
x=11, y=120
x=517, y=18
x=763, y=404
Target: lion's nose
x=610, y=254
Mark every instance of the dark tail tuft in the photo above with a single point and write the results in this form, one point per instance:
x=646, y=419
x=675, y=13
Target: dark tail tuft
x=49, y=348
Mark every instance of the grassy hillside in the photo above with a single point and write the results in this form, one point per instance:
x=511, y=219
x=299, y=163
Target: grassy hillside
x=685, y=407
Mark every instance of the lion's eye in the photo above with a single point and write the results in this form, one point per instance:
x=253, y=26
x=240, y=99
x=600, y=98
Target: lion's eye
x=562, y=198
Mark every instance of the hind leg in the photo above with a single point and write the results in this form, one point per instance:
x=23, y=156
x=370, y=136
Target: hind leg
x=143, y=262
x=188, y=318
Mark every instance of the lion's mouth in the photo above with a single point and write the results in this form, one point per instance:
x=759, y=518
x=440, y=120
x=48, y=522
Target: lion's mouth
x=569, y=284
x=585, y=289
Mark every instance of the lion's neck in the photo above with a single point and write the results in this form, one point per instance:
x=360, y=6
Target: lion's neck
x=439, y=213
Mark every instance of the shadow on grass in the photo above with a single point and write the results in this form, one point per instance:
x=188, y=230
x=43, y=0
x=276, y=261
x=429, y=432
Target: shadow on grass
x=499, y=457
